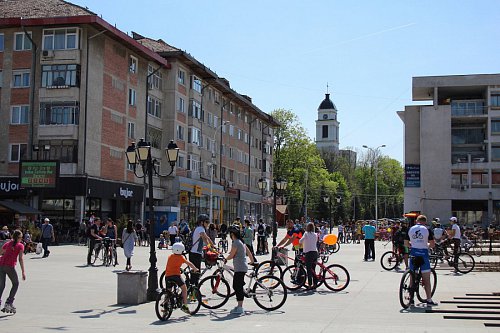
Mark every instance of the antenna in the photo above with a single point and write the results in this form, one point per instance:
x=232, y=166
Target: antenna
x=327, y=91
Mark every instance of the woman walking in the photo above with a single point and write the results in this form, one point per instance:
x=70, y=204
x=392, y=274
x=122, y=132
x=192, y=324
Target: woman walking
x=129, y=237
x=10, y=253
x=239, y=252
x=309, y=242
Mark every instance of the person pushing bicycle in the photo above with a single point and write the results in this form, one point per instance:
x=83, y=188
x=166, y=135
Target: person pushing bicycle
x=420, y=238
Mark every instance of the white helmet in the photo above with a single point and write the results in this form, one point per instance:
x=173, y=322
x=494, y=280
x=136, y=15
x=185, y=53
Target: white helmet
x=178, y=248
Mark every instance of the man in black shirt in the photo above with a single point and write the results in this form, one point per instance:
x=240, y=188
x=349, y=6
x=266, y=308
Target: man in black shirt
x=93, y=237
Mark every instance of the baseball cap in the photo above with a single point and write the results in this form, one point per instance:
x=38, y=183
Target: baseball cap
x=46, y=219
x=453, y=218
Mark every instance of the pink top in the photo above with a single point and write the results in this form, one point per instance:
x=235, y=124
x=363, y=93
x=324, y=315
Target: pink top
x=9, y=258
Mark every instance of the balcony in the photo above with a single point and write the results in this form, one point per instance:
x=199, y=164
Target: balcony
x=468, y=109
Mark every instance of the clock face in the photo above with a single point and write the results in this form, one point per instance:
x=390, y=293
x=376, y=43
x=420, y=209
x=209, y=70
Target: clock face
x=325, y=116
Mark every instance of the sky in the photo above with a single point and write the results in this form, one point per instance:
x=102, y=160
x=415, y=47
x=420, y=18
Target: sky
x=284, y=53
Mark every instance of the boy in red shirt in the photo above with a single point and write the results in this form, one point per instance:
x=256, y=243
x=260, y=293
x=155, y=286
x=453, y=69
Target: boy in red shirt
x=173, y=271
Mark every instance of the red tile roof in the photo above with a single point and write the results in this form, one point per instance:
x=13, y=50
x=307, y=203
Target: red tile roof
x=40, y=9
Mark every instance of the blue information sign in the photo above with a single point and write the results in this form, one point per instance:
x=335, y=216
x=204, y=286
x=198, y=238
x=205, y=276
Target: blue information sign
x=412, y=175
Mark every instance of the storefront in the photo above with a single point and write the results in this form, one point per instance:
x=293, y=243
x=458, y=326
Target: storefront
x=194, y=199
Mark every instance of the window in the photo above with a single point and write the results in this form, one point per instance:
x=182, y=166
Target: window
x=216, y=121
x=495, y=177
x=21, y=41
x=19, y=114
x=60, y=76
x=132, y=64
x=193, y=163
x=21, y=79
x=217, y=97
x=154, y=136
x=231, y=175
x=467, y=108
x=460, y=136
x=180, y=161
x=195, y=136
x=1, y=42
x=495, y=153
x=495, y=126
x=181, y=77
x=324, y=131
x=59, y=113
x=131, y=130
x=18, y=152
x=60, y=39
x=154, y=107
x=210, y=145
x=65, y=151
x=195, y=110
x=240, y=136
x=196, y=84
x=495, y=98
x=223, y=173
x=155, y=81
x=231, y=130
x=131, y=97
x=181, y=105
x=210, y=119
x=180, y=132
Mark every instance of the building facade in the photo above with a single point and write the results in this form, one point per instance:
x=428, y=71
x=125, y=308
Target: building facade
x=77, y=90
x=452, y=148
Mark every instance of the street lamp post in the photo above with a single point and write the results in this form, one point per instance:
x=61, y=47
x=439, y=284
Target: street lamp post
x=141, y=154
x=212, y=171
x=279, y=185
x=327, y=200
x=262, y=184
x=375, y=152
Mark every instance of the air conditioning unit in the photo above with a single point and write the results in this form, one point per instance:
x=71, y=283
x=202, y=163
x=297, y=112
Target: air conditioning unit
x=47, y=54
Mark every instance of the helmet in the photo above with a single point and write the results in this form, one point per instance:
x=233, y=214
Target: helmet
x=235, y=229
x=203, y=217
x=178, y=248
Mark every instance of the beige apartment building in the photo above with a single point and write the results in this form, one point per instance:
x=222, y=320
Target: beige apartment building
x=452, y=148
x=77, y=90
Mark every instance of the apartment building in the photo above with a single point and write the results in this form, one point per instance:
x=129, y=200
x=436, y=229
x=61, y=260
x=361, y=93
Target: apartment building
x=77, y=90
x=452, y=148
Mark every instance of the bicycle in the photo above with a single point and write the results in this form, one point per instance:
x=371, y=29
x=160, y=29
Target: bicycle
x=268, y=292
x=223, y=244
x=162, y=280
x=465, y=262
x=468, y=245
x=335, y=276
x=412, y=282
x=390, y=259
x=171, y=298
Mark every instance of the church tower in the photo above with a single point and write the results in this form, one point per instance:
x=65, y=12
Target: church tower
x=327, y=126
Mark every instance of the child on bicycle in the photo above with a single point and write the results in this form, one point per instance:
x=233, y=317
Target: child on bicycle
x=173, y=271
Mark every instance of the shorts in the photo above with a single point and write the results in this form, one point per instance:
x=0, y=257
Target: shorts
x=402, y=249
x=424, y=254
x=176, y=279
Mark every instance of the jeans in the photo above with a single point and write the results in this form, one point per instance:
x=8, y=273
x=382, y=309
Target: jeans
x=369, y=249
x=92, y=243
x=238, y=284
x=195, y=259
x=11, y=272
x=311, y=259
x=456, y=250
x=45, y=246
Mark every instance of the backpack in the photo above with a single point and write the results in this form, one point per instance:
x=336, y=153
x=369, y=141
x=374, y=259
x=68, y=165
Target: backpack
x=261, y=230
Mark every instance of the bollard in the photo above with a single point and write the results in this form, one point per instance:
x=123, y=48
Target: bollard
x=132, y=287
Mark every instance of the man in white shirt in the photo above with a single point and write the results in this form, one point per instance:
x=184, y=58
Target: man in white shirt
x=200, y=238
x=420, y=239
x=439, y=234
x=173, y=232
x=455, y=236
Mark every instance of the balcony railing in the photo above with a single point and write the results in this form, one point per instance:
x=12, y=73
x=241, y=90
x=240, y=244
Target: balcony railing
x=459, y=109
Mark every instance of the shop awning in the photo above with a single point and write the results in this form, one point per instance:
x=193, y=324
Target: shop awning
x=17, y=207
x=281, y=208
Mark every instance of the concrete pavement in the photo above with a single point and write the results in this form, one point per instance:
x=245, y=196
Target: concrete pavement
x=62, y=294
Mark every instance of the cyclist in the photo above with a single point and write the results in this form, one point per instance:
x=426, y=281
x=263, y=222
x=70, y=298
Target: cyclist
x=309, y=241
x=173, y=271
x=248, y=237
x=238, y=253
x=341, y=233
x=399, y=242
x=455, y=235
x=110, y=231
x=261, y=237
x=200, y=238
x=293, y=236
x=223, y=231
x=94, y=236
x=420, y=238
x=439, y=234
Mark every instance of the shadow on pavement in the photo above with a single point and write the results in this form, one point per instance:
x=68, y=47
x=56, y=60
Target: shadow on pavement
x=97, y=313
x=230, y=316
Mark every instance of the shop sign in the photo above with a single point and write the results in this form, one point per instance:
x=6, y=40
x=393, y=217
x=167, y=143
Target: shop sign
x=38, y=174
x=197, y=191
x=184, y=198
x=412, y=175
x=7, y=186
x=126, y=193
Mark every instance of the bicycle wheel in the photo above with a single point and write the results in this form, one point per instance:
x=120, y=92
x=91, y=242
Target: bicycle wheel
x=164, y=305
x=465, y=263
x=336, y=277
x=193, y=300
x=214, y=291
x=389, y=260
x=405, y=289
x=269, y=293
x=294, y=277
x=421, y=295
x=478, y=250
x=433, y=259
x=162, y=281
x=269, y=267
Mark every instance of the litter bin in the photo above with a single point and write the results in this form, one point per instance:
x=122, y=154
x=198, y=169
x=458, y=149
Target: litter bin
x=132, y=287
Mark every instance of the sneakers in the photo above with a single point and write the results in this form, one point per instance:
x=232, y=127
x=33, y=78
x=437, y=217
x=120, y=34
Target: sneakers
x=237, y=310
x=185, y=309
x=430, y=302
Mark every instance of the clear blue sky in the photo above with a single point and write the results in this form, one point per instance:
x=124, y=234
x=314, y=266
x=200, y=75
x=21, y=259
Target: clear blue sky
x=283, y=53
